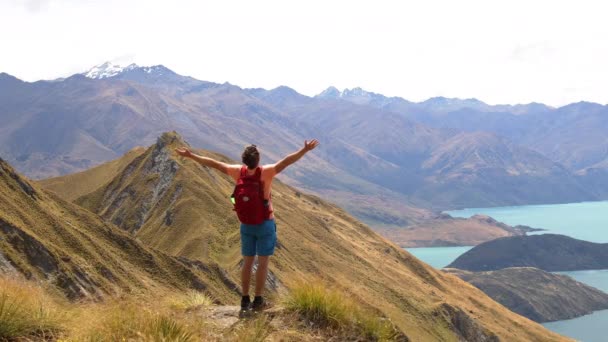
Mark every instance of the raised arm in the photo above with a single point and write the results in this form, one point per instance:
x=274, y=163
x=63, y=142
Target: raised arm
x=218, y=165
x=294, y=157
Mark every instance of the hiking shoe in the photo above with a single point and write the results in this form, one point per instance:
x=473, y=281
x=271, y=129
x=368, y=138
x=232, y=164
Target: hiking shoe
x=245, y=303
x=259, y=304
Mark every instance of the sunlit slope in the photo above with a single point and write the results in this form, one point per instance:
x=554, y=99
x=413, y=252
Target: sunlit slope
x=46, y=238
x=182, y=208
x=91, y=179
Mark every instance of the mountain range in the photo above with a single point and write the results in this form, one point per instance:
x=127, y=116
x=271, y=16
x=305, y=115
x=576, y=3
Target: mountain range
x=388, y=161
x=572, y=135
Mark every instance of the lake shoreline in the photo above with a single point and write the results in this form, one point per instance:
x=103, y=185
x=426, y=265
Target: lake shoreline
x=581, y=220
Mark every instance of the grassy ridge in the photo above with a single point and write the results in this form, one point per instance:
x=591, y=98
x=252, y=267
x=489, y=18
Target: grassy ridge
x=49, y=239
x=182, y=209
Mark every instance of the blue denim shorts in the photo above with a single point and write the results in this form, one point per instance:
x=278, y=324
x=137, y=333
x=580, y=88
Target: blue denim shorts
x=258, y=239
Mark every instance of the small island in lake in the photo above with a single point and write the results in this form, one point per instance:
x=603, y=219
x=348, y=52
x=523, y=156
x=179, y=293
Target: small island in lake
x=549, y=252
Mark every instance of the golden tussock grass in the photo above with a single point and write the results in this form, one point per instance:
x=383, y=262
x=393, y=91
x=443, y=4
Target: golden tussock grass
x=26, y=312
x=331, y=308
x=130, y=322
x=140, y=319
x=190, y=300
x=255, y=330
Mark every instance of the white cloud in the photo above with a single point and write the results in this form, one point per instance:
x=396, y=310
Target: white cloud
x=497, y=51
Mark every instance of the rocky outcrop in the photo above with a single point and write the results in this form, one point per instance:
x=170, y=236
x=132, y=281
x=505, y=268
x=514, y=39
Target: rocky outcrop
x=128, y=204
x=541, y=296
x=464, y=326
x=549, y=252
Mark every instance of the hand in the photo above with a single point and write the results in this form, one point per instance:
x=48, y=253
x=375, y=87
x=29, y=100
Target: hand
x=310, y=145
x=184, y=152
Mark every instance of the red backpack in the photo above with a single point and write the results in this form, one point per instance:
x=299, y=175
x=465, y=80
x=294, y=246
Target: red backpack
x=248, y=198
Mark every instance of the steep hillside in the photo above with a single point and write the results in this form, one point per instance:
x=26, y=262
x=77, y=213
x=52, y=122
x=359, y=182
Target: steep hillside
x=183, y=209
x=48, y=239
x=536, y=294
x=495, y=170
x=549, y=252
x=91, y=179
x=449, y=231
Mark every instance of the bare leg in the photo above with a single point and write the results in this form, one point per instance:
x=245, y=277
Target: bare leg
x=260, y=274
x=246, y=273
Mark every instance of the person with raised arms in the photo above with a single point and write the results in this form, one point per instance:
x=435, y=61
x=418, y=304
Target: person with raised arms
x=253, y=204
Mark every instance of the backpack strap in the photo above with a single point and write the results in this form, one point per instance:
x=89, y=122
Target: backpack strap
x=257, y=174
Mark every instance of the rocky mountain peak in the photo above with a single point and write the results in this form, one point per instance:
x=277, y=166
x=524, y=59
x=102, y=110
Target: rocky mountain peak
x=109, y=69
x=331, y=92
x=5, y=76
x=170, y=139
x=357, y=91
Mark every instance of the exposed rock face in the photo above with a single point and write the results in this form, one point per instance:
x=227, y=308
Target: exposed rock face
x=464, y=326
x=549, y=252
x=128, y=205
x=536, y=294
x=23, y=185
x=74, y=282
x=5, y=265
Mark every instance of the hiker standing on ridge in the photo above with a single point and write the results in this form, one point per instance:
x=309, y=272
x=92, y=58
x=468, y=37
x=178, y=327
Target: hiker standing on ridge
x=252, y=202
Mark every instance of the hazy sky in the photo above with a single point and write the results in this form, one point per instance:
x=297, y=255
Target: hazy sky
x=554, y=52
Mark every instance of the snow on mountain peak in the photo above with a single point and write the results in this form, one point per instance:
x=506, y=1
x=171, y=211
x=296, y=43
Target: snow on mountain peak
x=108, y=69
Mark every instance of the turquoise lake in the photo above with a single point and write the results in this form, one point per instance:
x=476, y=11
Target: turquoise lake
x=585, y=221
